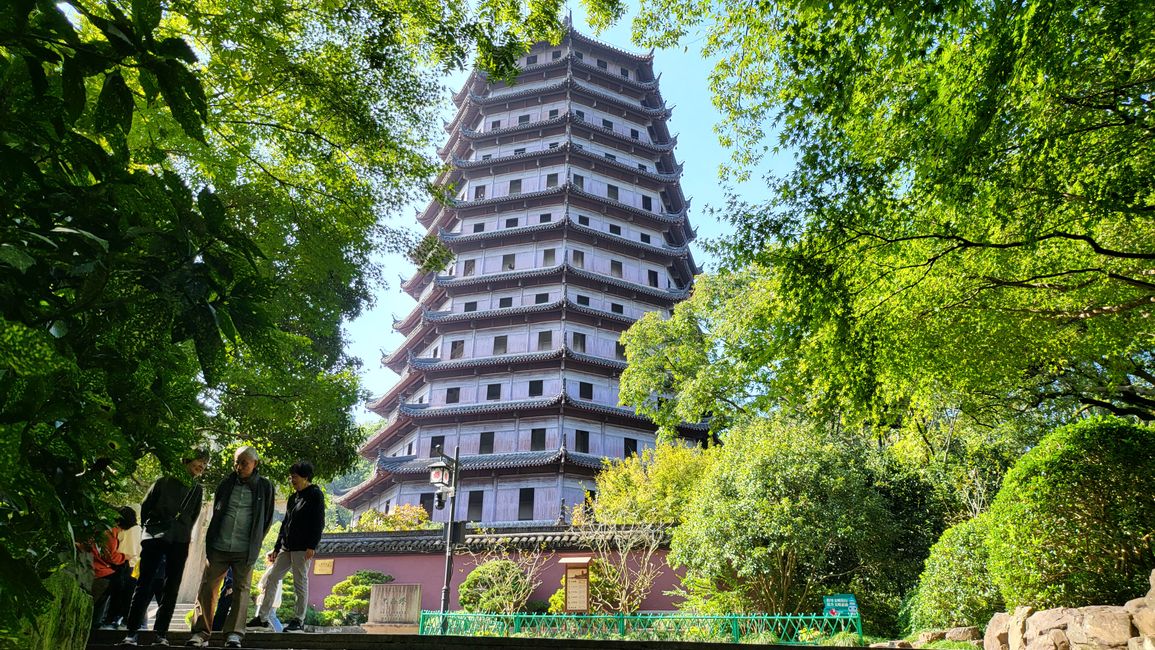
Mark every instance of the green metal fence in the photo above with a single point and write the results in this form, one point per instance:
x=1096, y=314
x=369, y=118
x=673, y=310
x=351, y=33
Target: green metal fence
x=786, y=629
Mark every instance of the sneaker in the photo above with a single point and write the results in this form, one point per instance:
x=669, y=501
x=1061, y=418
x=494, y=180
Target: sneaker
x=129, y=640
x=234, y=641
x=257, y=625
x=160, y=640
x=107, y=626
x=195, y=641
x=295, y=626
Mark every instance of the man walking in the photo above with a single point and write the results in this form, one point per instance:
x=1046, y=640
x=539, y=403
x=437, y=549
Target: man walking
x=296, y=543
x=242, y=514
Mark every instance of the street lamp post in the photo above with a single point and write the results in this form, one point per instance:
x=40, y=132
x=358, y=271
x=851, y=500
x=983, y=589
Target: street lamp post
x=443, y=475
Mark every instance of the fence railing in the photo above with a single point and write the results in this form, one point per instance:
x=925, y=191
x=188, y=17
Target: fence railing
x=785, y=629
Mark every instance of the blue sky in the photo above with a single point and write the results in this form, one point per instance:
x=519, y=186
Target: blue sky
x=684, y=86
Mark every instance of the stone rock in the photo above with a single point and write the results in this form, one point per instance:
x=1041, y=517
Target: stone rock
x=891, y=644
x=1144, y=621
x=1040, y=623
x=1146, y=642
x=1151, y=580
x=1016, y=630
x=1043, y=642
x=1101, y=626
x=970, y=633
x=1136, y=604
x=931, y=636
x=1059, y=638
x=996, y=636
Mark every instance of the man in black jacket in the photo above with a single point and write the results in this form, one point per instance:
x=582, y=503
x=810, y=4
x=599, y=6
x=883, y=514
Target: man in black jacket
x=242, y=514
x=297, y=542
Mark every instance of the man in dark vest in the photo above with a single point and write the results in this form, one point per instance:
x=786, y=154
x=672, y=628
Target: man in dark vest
x=242, y=515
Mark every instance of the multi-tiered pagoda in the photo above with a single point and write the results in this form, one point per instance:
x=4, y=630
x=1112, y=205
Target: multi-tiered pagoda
x=568, y=224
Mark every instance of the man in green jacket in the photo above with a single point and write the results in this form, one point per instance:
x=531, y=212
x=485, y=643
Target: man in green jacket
x=242, y=515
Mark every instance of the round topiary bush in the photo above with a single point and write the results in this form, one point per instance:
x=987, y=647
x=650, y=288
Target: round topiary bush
x=497, y=586
x=1074, y=522
x=349, y=600
x=955, y=588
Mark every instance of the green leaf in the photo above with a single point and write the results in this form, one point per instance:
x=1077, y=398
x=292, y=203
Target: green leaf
x=73, y=90
x=146, y=15
x=115, y=105
x=149, y=85
x=83, y=233
x=176, y=48
x=15, y=257
x=179, y=89
x=212, y=209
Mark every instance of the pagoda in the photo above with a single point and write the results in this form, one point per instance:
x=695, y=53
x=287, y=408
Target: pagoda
x=567, y=224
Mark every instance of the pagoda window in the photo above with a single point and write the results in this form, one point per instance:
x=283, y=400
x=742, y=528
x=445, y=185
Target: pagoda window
x=603, y=65
x=635, y=134
x=508, y=262
x=479, y=227
x=620, y=350
x=485, y=444
x=617, y=308
x=493, y=392
x=545, y=218
x=536, y=387
x=511, y=222
x=581, y=115
x=469, y=267
x=541, y=298
x=579, y=259
x=486, y=156
x=469, y=306
x=653, y=277
x=607, y=124
x=583, y=301
x=579, y=146
x=555, y=55
x=580, y=56
x=583, y=220
x=625, y=73
x=500, y=344
x=616, y=268
x=523, y=119
x=519, y=151
x=645, y=237
x=579, y=342
x=615, y=229
x=456, y=349
x=515, y=186
x=409, y=449
x=612, y=191
x=504, y=303
x=531, y=59
x=643, y=167
x=647, y=203
x=435, y=445
x=581, y=441
x=579, y=181
x=476, y=500
x=537, y=440
x=525, y=504
x=496, y=124
x=426, y=502
x=545, y=340
x=630, y=447
x=547, y=257
x=610, y=156
x=551, y=180
x=452, y=395
x=553, y=113
x=585, y=390
x=553, y=145
x=479, y=192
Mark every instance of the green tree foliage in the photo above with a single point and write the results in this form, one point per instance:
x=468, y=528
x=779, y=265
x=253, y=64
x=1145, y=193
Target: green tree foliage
x=654, y=487
x=1074, y=522
x=968, y=222
x=498, y=586
x=404, y=516
x=348, y=603
x=192, y=193
x=955, y=588
x=783, y=513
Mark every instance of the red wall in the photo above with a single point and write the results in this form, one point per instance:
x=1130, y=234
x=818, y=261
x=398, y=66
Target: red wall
x=428, y=570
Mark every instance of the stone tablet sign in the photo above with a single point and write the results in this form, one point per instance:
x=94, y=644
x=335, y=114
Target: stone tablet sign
x=840, y=605
x=577, y=584
x=323, y=567
x=397, y=604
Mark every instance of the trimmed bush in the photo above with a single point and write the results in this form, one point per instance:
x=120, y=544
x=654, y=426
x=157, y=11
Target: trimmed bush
x=955, y=588
x=497, y=586
x=1074, y=522
x=349, y=601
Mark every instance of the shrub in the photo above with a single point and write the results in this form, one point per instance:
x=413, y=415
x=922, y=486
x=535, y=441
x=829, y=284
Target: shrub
x=1074, y=522
x=349, y=600
x=495, y=586
x=405, y=516
x=955, y=587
